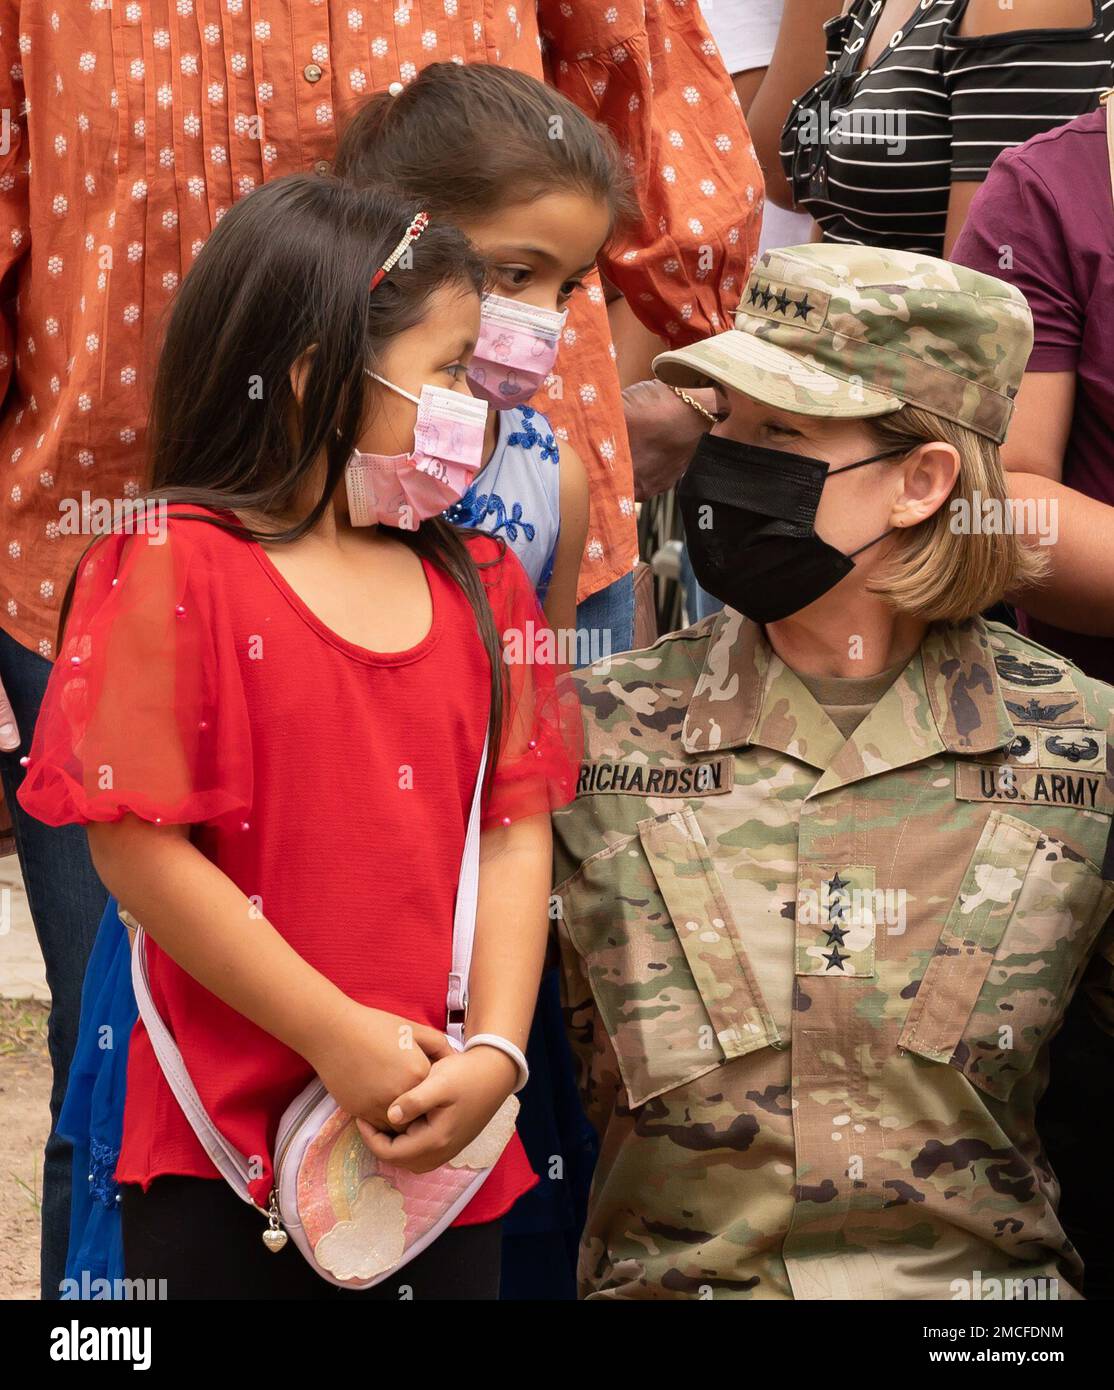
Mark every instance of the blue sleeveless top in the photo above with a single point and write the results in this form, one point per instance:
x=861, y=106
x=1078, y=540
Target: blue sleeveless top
x=516, y=494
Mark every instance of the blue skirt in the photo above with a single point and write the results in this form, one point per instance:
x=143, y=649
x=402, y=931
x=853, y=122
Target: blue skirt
x=92, y=1117
x=541, y=1232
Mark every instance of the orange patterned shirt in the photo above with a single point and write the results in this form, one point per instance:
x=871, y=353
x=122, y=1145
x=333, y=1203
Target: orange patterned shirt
x=131, y=126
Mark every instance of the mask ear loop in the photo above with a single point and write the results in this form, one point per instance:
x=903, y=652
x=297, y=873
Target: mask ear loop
x=888, y=454
x=398, y=390
x=882, y=537
x=862, y=463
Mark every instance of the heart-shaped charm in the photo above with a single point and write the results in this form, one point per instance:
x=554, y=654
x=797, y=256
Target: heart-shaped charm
x=274, y=1240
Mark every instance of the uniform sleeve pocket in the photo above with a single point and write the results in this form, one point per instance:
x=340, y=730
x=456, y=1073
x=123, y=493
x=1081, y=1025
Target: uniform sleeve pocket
x=1012, y=948
x=675, y=992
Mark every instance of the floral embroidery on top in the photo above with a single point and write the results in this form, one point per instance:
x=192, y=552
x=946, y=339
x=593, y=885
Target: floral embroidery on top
x=102, y=1166
x=516, y=494
x=529, y=436
x=473, y=508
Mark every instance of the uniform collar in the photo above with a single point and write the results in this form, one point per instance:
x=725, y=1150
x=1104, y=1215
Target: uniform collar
x=947, y=699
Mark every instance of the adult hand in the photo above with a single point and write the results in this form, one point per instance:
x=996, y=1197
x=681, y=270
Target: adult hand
x=9, y=730
x=663, y=431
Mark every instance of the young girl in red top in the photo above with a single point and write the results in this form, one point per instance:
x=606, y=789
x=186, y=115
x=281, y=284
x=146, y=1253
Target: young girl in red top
x=272, y=724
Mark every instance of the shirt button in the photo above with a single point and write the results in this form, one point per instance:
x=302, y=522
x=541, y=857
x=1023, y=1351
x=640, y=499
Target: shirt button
x=322, y=167
x=312, y=72
x=395, y=88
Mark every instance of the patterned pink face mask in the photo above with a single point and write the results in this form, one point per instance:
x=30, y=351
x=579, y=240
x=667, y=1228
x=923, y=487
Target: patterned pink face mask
x=516, y=350
x=404, y=490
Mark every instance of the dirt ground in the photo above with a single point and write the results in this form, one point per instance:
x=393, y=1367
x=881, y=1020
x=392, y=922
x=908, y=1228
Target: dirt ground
x=24, y=1121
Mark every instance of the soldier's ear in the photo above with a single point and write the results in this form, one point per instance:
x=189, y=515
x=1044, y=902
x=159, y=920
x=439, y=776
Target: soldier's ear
x=928, y=475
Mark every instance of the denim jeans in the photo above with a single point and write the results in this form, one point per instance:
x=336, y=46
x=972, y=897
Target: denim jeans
x=698, y=602
x=607, y=618
x=67, y=901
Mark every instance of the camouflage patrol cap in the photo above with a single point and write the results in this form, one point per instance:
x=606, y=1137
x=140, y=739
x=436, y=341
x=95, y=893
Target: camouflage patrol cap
x=853, y=331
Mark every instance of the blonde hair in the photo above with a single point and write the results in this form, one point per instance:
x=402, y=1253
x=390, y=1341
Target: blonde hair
x=941, y=572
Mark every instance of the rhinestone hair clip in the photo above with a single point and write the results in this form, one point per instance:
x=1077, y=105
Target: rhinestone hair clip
x=412, y=233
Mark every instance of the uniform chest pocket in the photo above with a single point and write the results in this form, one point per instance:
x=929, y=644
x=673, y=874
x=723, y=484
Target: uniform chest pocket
x=667, y=969
x=1013, y=945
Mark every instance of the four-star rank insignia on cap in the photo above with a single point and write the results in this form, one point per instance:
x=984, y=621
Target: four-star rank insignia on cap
x=837, y=917
x=784, y=303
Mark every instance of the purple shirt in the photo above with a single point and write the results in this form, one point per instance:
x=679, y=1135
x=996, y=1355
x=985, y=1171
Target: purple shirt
x=1048, y=206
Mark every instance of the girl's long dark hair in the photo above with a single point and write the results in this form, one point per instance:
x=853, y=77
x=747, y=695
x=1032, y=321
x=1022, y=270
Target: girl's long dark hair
x=282, y=279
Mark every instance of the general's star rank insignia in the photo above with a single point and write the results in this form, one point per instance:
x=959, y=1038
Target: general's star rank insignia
x=837, y=907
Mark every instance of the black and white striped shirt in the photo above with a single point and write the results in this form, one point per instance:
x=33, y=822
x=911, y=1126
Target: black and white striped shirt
x=872, y=153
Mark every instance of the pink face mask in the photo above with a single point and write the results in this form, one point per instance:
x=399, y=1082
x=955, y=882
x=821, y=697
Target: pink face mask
x=405, y=489
x=516, y=350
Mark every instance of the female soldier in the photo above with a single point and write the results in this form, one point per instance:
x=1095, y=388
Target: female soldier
x=833, y=871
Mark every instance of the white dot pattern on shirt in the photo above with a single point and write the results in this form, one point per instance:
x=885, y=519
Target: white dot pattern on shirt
x=179, y=87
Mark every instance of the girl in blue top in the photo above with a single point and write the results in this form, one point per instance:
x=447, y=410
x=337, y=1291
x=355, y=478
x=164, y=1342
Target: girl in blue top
x=538, y=188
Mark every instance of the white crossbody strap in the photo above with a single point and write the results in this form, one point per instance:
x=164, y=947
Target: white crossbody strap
x=464, y=917
x=230, y=1162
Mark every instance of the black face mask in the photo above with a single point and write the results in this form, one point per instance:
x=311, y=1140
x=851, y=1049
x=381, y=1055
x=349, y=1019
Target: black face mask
x=761, y=554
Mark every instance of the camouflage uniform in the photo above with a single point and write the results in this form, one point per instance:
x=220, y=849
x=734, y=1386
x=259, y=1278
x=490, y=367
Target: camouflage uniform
x=795, y=1100
x=810, y=981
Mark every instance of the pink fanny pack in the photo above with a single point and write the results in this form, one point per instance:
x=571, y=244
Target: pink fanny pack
x=355, y=1219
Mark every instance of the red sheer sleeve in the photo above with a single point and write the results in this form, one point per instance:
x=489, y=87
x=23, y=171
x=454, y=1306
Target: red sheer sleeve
x=539, y=754
x=144, y=711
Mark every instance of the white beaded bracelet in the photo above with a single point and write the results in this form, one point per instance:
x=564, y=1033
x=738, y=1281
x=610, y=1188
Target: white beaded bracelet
x=503, y=1045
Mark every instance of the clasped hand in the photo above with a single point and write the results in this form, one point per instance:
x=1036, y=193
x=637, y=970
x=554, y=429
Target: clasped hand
x=418, y=1102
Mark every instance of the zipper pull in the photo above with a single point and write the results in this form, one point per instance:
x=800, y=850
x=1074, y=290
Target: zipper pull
x=274, y=1237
